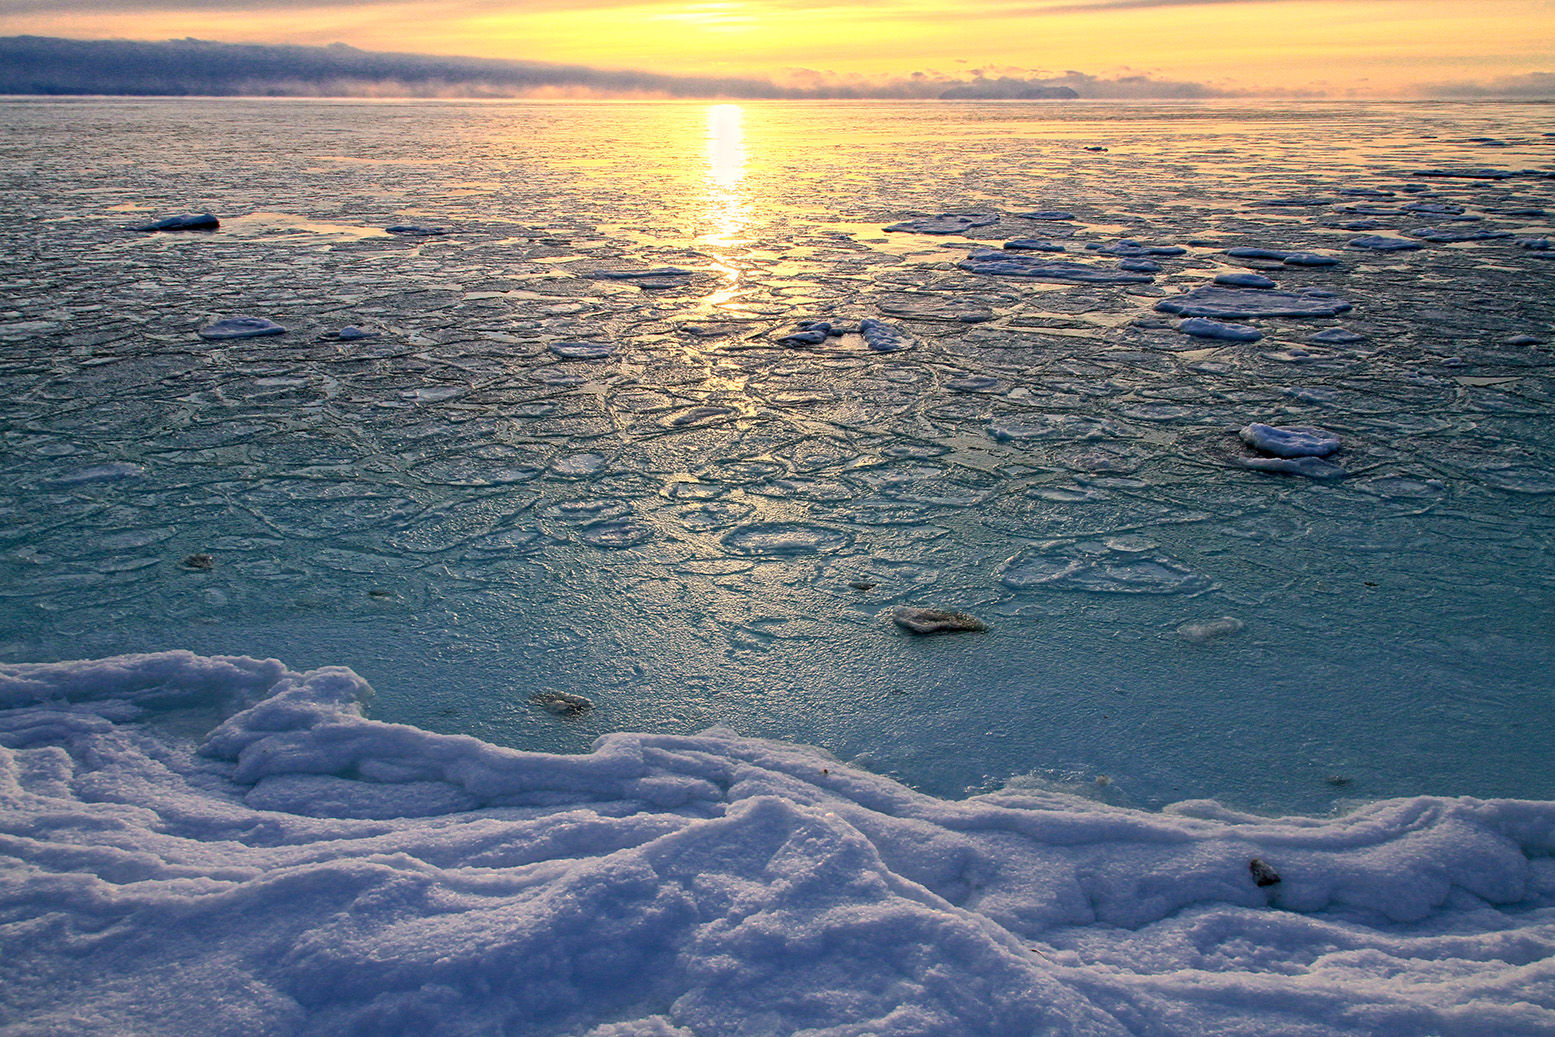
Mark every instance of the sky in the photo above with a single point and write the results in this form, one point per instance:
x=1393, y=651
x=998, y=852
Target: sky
x=1339, y=48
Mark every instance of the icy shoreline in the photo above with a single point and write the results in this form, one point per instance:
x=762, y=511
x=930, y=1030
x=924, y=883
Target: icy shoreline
x=305, y=869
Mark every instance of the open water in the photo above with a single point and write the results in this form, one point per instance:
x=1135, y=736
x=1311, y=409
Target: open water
x=577, y=457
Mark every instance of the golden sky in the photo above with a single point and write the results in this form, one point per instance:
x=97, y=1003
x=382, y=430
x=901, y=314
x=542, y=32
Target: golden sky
x=1335, y=47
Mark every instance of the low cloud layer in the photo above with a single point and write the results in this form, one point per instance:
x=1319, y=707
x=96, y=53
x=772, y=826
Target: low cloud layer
x=46, y=65
x=1530, y=86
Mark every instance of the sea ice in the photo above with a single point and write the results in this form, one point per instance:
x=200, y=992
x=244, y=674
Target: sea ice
x=1466, y=174
x=203, y=221
x=658, y=273
x=582, y=350
x=1281, y=256
x=882, y=337
x=1140, y=266
x=349, y=333
x=1445, y=236
x=1054, y=215
x=1203, y=327
x=1310, y=467
x=1099, y=568
x=1210, y=629
x=1336, y=337
x=1016, y=264
x=1294, y=441
x=949, y=223
x=1131, y=249
x=113, y=471
x=240, y=327
x=935, y=621
x=1032, y=245
x=1244, y=280
x=1219, y=301
x=1382, y=243
x=412, y=231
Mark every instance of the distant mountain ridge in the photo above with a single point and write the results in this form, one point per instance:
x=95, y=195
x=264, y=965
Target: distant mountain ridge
x=185, y=68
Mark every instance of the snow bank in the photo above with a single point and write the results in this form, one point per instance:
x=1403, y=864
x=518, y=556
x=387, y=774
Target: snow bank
x=304, y=869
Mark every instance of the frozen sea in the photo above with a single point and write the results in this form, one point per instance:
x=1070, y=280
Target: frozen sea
x=670, y=406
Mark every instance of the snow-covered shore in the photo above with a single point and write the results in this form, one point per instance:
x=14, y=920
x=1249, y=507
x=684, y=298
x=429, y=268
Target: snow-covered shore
x=303, y=869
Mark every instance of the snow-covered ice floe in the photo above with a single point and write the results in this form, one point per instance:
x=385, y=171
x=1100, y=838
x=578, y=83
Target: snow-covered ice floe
x=240, y=327
x=1292, y=441
x=1203, y=327
x=302, y=869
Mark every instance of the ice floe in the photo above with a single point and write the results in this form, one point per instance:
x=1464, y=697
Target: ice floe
x=1448, y=236
x=582, y=350
x=1209, y=630
x=883, y=337
x=1032, y=245
x=1383, y=243
x=202, y=221
x=411, y=230
x=1017, y=264
x=309, y=870
x=1336, y=337
x=1481, y=173
x=949, y=223
x=1220, y=301
x=240, y=327
x=1310, y=467
x=1203, y=327
x=1054, y=215
x=1274, y=255
x=1244, y=280
x=349, y=333
x=1293, y=441
x=935, y=621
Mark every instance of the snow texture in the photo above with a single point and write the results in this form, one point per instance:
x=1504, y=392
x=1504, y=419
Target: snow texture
x=307, y=870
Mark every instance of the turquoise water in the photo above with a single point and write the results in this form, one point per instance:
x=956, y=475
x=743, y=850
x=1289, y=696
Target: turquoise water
x=709, y=526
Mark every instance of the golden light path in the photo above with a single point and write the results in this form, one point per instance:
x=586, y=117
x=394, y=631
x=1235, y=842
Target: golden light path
x=727, y=202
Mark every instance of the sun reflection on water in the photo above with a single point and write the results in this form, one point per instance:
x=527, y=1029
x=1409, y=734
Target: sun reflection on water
x=727, y=205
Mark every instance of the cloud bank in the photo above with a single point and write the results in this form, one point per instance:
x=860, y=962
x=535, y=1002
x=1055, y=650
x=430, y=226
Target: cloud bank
x=189, y=67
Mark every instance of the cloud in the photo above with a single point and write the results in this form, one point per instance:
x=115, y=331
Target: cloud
x=1529, y=86
x=47, y=65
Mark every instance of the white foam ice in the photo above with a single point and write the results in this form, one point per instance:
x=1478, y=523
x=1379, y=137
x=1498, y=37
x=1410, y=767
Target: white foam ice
x=1017, y=264
x=240, y=327
x=1220, y=301
x=1203, y=327
x=308, y=870
x=1291, y=441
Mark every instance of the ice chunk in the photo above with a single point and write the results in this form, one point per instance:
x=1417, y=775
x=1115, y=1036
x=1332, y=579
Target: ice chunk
x=1131, y=249
x=658, y=274
x=1310, y=467
x=240, y=327
x=411, y=230
x=1141, y=266
x=582, y=350
x=203, y=221
x=1294, y=441
x=949, y=223
x=1447, y=236
x=1032, y=245
x=1244, y=280
x=562, y=703
x=1210, y=629
x=1203, y=327
x=935, y=621
x=1016, y=264
x=1382, y=243
x=1336, y=337
x=349, y=333
x=1281, y=256
x=882, y=337
x=1219, y=301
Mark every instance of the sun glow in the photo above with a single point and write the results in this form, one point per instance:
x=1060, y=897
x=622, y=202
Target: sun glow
x=727, y=203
